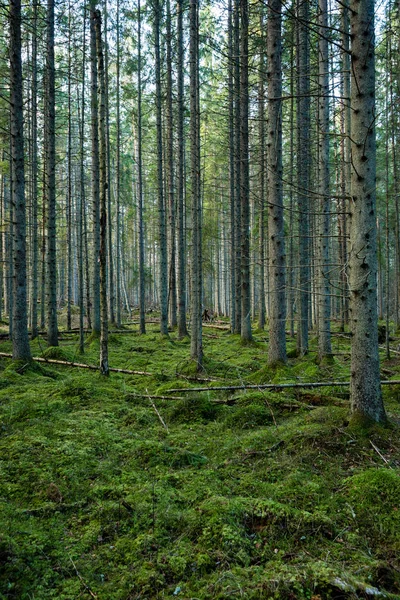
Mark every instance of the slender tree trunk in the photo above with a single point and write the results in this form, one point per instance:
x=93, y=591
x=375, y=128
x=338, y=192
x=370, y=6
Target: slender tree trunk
x=82, y=198
x=232, y=195
x=261, y=202
x=246, y=335
x=163, y=292
x=196, y=345
x=69, y=181
x=35, y=238
x=50, y=149
x=20, y=339
x=170, y=174
x=277, y=319
x=303, y=172
x=110, y=257
x=365, y=389
x=182, y=327
x=95, y=178
x=237, y=107
x=142, y=322
x=324, y=290
x=104, y=367
x=346, y=163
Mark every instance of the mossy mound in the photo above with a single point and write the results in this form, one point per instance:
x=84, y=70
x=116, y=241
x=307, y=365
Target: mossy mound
x=375, y=494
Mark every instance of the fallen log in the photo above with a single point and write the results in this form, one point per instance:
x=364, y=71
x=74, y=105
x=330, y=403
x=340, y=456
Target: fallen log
x=273, y=386
x=66, y=363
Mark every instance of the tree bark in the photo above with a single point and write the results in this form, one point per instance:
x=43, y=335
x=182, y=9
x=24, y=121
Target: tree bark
x=365, y=390
x=95, y=313
x=20, y=339
x=163, y=291
x=246, y=335
x=303, y=172
x=277, y=318
x=182, y=326
x=196, y=341
x=324, y=299
x=104, y=367
x=50, y=149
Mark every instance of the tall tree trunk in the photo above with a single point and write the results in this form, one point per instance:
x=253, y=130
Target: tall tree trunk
x=20, y=338
x=346, y=164
x=324, y=290
x=163, y=291
x=261, y=202
x=69, y=180
x=104, y=367
x=237, y=107
x=170, y=174
x=142, y=312
x=82, y=198
x=232, y=195
x=95, y=177
x=110, y=257
x=182, y=327
x=365, y=390
x=35, y=238
x=50, y=149
x=196, y=342
x=246, y=335
x=303, y=172
x=277, y=319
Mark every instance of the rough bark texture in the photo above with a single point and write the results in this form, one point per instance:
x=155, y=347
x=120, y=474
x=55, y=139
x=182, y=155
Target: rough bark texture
x=303, y=172
x=324, y=290
x=346, y=164
x=35, y=237
x=237, y=107
x=182, y=327
x=277, y=317
x=20, y=339
x=95, y=178
x=196, y=341
x=170, y=175
x=104, y=367
x=50, y=148
x=261, y=202
x=365, y=390
x=245, y=331
x=163, y=291
x=142, y=320
x=231, y=170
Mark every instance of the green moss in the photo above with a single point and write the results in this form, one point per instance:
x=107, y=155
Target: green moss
x=375, y=495
x=260, y=494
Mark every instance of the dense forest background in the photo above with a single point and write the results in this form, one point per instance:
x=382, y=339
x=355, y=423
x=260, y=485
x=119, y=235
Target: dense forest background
x=202, y=200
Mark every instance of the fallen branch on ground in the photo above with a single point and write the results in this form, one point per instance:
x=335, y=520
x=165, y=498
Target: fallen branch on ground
x=66, y=363
x=272, y=386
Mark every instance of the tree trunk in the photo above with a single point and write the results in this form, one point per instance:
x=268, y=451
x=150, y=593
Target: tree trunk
x=95, y=177
x=20, y=339
x=163, y=292
x=277, y=317
x=196, y=342
x=50, y=149
x=142, y=322
x=303, y=172
x=104, y=367
x=170, y=174
x=323, y=288
x=182, y=327
x=365, y=391
x=35, y=238
x=246, y=335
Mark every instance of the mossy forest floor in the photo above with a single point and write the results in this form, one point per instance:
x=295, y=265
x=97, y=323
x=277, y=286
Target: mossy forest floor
x=106, y=493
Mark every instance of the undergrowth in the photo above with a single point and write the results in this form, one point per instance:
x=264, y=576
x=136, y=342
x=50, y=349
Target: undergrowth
x=110, y=489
